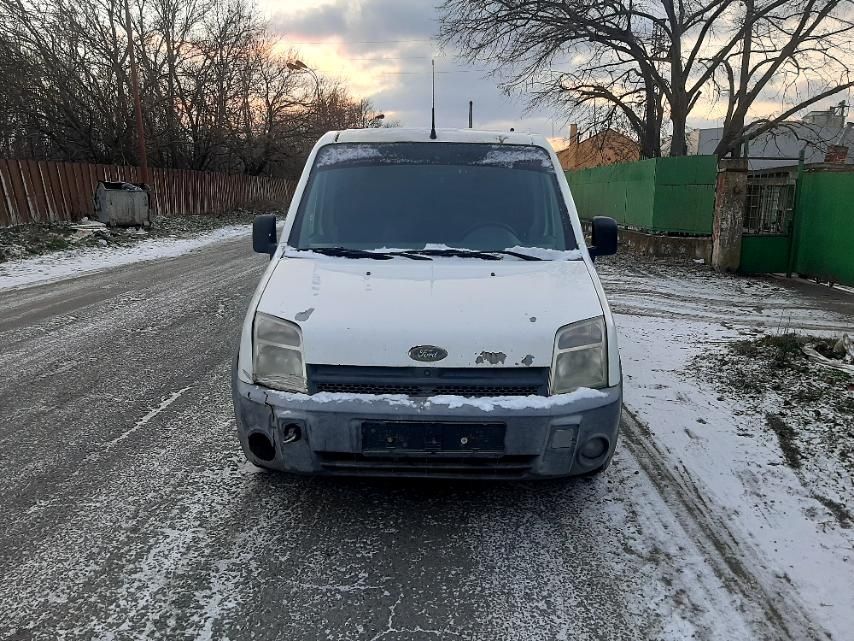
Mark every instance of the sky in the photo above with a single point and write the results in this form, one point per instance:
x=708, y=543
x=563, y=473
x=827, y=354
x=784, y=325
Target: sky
x=382, y=50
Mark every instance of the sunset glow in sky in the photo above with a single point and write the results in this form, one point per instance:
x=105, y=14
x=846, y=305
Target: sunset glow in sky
x=381, y=49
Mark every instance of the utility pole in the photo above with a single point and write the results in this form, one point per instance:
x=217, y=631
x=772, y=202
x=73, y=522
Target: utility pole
x=137, y=105
x=471, y=107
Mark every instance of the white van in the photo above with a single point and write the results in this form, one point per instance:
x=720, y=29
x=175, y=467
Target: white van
x=432, y=310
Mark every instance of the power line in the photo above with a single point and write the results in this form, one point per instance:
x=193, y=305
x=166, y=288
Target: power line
x=353, y=42
x=375, y=59
x=422, y=73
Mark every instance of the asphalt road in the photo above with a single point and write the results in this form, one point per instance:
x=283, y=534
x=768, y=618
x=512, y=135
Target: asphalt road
x=128, y=512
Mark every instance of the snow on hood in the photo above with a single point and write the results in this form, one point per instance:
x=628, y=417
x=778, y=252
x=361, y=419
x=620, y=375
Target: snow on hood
x=483, y=313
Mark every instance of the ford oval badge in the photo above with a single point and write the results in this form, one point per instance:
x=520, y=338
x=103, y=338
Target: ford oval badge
x=427, y=353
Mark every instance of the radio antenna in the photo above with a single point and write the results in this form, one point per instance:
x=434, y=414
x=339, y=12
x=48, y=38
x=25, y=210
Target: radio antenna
x=433, y=103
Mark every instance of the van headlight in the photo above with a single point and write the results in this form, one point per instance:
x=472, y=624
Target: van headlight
x=277, y=354
x=580, y=356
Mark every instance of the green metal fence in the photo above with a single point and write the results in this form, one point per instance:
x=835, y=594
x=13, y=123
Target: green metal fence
x=659, y=195
x=823, y=245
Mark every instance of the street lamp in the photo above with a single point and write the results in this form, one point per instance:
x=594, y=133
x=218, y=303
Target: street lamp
x=299, y=65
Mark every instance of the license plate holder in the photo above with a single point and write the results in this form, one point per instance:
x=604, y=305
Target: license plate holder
x=430, y=436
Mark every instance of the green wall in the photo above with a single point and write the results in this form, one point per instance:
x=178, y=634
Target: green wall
x=664, y=195
x=764, y=254
x=624, y=191
x=824, y=226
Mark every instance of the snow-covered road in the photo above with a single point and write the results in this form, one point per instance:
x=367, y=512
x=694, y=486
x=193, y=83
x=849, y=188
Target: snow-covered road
x=59, y=265
x=129, y=513
x=718, y=446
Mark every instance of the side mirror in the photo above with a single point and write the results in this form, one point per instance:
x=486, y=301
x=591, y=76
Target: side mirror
x=264, y=234
x=603, y=237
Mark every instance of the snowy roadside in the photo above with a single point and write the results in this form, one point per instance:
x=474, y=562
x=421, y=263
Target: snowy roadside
x=719, y=438
x=75, y=262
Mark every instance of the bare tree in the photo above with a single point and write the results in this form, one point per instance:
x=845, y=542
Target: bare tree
x=216, y=93
x=644, y=65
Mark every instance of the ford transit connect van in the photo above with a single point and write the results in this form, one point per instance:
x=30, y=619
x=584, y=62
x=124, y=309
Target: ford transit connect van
x=430, y=309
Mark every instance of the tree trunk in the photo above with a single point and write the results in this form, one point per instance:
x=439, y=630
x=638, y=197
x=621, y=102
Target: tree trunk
x=651, y=140
x=678, y=118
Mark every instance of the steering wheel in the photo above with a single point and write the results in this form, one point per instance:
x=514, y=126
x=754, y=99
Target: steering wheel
x=491, y=236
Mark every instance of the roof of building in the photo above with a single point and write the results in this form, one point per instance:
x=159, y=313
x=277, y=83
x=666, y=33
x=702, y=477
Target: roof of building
x=780, y=146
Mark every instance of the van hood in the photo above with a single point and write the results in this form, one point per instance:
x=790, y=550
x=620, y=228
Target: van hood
x=482, y=313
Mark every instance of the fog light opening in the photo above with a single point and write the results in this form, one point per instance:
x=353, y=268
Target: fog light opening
x=261, y=446
x=594, y=448
x=291, y=433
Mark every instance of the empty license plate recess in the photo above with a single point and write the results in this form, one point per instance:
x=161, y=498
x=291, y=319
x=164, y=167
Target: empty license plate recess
x=432, y=437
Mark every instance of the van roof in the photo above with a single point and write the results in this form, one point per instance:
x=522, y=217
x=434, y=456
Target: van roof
x=402, y=134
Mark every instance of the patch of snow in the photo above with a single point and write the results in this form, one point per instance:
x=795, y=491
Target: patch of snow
x=548, y=254
x=338, y=397
x=293, y=252
x=486, y=404
x=335, y=154
x=669, y=313
x=76, y=262
x=735, y=463
x=507, y=157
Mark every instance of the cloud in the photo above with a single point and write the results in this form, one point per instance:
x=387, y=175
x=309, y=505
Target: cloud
x=369, y=21
x=382, y=50
x=318, y=22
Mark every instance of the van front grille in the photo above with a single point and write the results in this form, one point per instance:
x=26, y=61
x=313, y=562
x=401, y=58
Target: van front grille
x=426, y=390
x=368, y=388
x=429, y=381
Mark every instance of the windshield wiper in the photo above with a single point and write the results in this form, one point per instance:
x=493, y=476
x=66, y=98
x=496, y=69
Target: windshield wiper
x=508, y=252
x=489, y=254
x=464, y=253
x=347, y=252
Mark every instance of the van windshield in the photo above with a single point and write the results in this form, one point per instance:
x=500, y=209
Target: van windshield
x=412, y=196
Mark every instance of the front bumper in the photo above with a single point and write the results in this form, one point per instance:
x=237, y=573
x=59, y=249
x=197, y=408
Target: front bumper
x=542, y=439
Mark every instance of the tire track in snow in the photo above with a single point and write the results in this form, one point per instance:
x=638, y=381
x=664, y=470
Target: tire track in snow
x=738, y=567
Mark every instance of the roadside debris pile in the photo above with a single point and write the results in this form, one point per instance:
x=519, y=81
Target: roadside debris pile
x=41, y=238
x=801, y=388
x=841, y=357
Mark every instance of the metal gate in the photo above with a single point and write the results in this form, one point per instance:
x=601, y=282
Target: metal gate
x=768, y=217
x=770, y=202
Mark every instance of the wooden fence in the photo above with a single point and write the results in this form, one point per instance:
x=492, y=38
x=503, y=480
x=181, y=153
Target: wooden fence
x=42, y=191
